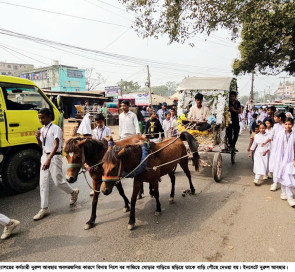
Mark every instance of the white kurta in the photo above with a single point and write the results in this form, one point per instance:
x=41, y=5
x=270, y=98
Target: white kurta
x=284, y=169
x=277, y=128
x=260, y=162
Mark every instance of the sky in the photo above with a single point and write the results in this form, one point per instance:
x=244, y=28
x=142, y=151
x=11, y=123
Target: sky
x=106, y=27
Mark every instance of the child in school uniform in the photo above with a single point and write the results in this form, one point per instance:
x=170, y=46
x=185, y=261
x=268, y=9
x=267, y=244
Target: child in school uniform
x=153, y=128
x=49, y=137
x=261, y=155
x=278, y=127
x=101, y=131
x=167, y=125
x=284, y=168
x=9, y=225
x=269, y=126
x=256, y=131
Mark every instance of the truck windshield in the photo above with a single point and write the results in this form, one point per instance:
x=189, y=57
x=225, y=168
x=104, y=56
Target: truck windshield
x=28, y=95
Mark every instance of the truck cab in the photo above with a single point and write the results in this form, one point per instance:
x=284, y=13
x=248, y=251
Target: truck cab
x=20, y=100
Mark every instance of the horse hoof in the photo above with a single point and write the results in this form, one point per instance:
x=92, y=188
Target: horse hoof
x=171, y=200
x=157, y=213
x=125, y=210
x=88, y=226
x=131, y=226
x=139, y=197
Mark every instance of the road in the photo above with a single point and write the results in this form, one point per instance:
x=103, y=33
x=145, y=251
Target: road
x=228, y=221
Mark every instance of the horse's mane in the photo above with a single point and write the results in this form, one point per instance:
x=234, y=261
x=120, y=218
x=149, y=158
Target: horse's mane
x=90, y=146
x=110, y=157
x=72, y=144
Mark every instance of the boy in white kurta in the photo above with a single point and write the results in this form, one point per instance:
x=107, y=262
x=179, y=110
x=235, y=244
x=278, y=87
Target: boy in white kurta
x=284, y=168
x=261, y=155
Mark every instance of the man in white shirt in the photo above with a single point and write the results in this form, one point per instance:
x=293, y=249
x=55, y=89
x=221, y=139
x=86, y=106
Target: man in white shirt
x=128, y=123
x=198, y=112
x=49, y=137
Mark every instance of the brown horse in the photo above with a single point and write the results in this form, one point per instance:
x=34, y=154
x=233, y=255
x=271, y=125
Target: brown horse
x=84, y=150
x=169, y=152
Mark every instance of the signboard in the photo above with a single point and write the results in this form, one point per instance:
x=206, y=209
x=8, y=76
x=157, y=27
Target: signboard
x=112, y=91
x=140, y=99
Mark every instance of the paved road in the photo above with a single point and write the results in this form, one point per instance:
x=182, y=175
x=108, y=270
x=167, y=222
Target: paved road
x=228, y=221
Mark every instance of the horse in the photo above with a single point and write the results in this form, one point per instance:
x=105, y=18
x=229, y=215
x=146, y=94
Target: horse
x=168, y=153
x=85, y=150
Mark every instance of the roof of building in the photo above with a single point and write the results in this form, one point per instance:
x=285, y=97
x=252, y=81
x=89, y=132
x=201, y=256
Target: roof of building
x=205, y=83
x=49, y=67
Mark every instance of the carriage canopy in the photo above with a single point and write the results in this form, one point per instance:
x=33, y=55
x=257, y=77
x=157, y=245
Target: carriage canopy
x=215, y=90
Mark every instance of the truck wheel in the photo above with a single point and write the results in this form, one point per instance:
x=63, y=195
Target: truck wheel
x=22, y=170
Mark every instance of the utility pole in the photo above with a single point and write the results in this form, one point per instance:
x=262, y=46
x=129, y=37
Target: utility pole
x=251, y=99
x=148, y=84
x=284, y=77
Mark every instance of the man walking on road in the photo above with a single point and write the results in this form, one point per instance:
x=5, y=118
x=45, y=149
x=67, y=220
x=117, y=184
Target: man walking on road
x=128, y=122
x=50, y=139
x=232, y=131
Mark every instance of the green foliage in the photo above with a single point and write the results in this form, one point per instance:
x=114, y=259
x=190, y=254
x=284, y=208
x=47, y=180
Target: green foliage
x=267, y=27
x=243, y=100
x=160, y=90
x=128, y=86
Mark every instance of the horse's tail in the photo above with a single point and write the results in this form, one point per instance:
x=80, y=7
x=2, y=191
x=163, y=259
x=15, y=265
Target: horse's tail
x=193, y=145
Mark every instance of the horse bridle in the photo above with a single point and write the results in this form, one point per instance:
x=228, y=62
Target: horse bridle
x=117, y=178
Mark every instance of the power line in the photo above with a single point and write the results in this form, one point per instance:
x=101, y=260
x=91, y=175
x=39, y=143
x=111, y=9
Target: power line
x=63, y=14
x=107, y=10
x=123, y=58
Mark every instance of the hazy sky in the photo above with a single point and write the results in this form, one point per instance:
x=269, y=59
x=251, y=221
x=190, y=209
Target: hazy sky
x=211, y=56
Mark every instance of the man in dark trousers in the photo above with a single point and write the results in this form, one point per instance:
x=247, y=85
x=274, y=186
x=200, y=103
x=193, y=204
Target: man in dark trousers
x=232, y=131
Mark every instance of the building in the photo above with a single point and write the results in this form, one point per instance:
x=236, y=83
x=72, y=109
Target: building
x=285, y=90
x=60, y=78
x=14, y=69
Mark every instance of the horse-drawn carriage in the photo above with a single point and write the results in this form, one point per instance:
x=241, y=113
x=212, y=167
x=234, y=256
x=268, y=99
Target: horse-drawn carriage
x=216, y=98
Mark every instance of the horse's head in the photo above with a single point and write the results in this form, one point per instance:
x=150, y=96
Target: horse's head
x=112, y=166
x=75, y=157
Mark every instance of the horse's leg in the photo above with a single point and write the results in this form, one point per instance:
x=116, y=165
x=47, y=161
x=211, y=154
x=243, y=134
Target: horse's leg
x=156, y=195
x=151, y=190
x=184, y=165
x=172, y=177
x=122, y=194
x=91, y=223
x=137, y=184
x=141, y=192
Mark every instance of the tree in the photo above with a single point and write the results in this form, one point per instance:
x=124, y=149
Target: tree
x=268, y=27
x=244, y=99
x=93, y=79
x=160, y=90
x=172, y=87
x=128, y=86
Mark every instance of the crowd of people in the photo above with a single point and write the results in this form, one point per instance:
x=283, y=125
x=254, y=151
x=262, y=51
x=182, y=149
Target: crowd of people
x=272, y=149
x=271, y=144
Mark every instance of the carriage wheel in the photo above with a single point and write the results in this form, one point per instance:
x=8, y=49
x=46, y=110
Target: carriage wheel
x=217, y=167
x=233, y=157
